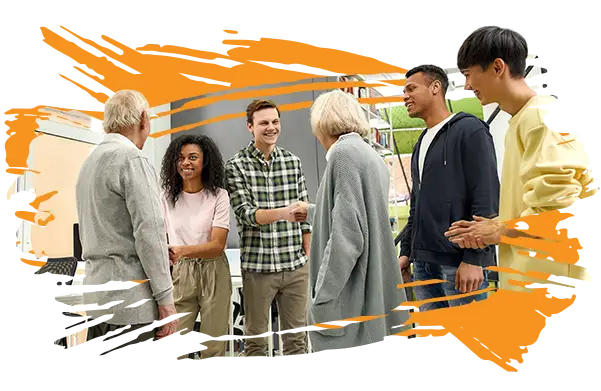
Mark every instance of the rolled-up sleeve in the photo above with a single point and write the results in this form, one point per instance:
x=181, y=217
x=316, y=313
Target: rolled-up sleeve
x=240, y=197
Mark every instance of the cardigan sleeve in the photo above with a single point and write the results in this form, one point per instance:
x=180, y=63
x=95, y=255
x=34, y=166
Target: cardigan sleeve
x=343, y=249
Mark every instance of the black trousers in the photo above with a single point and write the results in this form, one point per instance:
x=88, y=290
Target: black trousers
x=118, y=338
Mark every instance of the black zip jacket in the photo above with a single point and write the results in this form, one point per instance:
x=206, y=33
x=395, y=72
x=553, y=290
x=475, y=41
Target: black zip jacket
x=459, y=180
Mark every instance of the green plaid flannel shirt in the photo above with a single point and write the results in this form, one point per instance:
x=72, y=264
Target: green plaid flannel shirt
x=254, y=183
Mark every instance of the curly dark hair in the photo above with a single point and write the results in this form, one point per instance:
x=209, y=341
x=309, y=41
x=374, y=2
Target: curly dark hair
x=213, y=170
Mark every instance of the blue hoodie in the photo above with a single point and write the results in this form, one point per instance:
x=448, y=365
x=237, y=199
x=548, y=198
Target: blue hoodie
x=459, y=180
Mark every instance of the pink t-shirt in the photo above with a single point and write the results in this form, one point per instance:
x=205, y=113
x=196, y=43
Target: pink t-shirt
x=194, y=215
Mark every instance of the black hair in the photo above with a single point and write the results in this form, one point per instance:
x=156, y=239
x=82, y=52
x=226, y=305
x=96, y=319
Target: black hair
x=213, y=170
x=486, y=44
x=432, y=72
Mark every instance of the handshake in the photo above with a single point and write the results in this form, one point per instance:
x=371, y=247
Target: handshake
x=295, y=212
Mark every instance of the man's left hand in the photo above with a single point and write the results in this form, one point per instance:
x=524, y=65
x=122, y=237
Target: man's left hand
x=469, y=278
x=479, y=233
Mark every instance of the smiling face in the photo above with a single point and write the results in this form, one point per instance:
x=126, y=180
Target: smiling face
x=485, y=83
x=419, y=94
x=265, y=126
x=189, y=164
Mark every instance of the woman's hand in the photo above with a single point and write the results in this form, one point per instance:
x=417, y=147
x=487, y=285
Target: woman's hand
x=176, y=253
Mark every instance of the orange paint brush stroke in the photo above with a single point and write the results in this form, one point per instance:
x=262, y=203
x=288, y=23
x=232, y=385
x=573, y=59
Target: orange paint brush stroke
x=174, y=86
x=420, y=283
x=253, y=94
x=33, y=263
x=44, y=222
x=521, y=283
x=328, y=326
x=418, y=303
x=553, y=243
x=566, y=142
x=27, y=216
x=44, y=197
x=494, y=328
x=363, y=318
x=503, y=323
x=282, y=108
x=533, y=274
x=21, y=133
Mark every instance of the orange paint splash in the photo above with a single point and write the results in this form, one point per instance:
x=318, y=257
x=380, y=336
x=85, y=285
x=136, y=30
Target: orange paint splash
x=496, y=328
x=553, y=243
x=44, y=197
x=282, y=108
x=328, y=326
x=33, y=263
x=420, y=283
x=44, y=222
x=521, y=283
x=301, y=87
x=363, y=318
x=566, y=142
x=170, y=70
x=446, y=298
x=31, y=216
x=533, y=273
x=27, y=216
x=21, y=132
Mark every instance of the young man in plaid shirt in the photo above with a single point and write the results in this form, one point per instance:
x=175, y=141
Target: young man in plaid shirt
x=264, y=181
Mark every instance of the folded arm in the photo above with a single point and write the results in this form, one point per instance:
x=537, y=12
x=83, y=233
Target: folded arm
x=553, y=171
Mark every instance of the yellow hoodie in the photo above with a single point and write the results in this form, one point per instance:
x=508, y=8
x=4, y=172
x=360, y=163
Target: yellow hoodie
x=541, y=172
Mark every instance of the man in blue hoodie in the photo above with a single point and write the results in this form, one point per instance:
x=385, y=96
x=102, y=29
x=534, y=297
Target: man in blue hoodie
x=454, y=175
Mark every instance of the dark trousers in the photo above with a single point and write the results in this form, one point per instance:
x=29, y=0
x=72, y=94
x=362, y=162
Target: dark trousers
x=119, y=338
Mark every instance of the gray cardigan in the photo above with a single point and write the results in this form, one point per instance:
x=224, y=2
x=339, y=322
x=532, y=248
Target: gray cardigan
x=122, y=231
x=353, y=264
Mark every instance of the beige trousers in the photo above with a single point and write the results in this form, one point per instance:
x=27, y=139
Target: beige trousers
x=204, y=286
x=290, y=291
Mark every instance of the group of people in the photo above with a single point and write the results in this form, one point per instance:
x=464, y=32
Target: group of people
x=333, y=259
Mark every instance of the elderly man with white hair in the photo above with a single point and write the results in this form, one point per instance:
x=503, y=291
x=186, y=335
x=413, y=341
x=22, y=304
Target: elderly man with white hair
x=121, y=224
x=353, y=267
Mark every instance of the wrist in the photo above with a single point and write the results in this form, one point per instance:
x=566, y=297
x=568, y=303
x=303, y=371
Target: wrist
x=185, y=251
x=502, y=229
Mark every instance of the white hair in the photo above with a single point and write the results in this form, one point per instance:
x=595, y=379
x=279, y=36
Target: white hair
x=123, y=110
x=335, y=113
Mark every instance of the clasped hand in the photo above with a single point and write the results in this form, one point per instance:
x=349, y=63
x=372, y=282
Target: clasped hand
x=296, y=212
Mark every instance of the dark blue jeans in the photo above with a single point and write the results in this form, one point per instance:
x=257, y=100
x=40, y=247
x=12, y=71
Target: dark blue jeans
x=423, y=271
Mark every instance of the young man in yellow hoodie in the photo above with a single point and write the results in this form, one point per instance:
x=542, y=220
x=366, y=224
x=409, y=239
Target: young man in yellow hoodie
x=541, y=171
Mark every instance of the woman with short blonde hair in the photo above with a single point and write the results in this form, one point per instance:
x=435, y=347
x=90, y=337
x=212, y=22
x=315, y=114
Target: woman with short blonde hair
x=353, y=267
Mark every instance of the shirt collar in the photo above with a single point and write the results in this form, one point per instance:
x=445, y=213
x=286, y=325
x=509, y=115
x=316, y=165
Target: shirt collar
x=118, y=138
x=256, y=152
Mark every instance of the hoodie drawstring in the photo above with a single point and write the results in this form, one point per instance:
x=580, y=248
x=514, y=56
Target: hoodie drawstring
x=446, y=137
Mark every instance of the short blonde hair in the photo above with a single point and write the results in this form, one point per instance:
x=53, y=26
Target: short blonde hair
x=123, y=110
x=335, y=113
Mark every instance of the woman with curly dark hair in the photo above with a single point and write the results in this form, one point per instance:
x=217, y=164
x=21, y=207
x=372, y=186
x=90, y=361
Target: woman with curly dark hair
x=197, y=215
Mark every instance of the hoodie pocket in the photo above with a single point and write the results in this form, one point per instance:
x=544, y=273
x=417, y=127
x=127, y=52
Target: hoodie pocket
x=434, y=222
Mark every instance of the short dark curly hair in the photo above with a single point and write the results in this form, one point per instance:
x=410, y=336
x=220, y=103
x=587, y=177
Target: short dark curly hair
x=213, y=170
x=432, y=72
